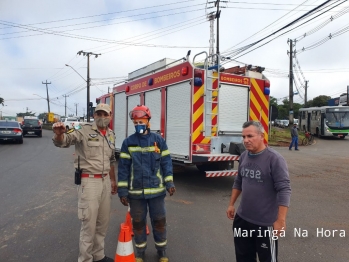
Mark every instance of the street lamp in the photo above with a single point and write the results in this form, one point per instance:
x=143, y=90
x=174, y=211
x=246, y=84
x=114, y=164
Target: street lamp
x=88, y=90
x=39, y=96
x=76, y=72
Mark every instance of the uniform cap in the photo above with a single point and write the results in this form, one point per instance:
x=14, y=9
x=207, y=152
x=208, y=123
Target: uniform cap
x=103, y=107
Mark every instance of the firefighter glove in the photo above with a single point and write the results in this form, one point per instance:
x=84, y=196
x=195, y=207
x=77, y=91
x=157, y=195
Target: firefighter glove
x=171, y=190
x=124, y=200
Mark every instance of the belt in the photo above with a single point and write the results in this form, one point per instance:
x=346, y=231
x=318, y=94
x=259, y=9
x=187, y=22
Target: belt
x=94, y=175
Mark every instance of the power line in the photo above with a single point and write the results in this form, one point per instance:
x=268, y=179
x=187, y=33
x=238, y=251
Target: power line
x=324, y=40
x=112, y=13
x=247, y=47
x=106, y=20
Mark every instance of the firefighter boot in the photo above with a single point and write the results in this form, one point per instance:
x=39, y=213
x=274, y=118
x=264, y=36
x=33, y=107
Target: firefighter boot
x=140, y=256
x=162, y=256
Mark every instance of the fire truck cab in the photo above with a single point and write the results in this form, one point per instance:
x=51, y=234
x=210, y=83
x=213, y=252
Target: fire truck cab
x=199, y=109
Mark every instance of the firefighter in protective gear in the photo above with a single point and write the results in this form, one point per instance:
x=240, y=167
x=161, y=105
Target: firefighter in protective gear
x=144, y=175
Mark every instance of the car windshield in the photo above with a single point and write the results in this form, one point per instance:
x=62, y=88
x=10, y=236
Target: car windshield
x=9, y=124
x=72, y=119
x=30, y=121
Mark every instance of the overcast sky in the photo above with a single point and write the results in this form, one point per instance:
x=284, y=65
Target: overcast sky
x=37, y=39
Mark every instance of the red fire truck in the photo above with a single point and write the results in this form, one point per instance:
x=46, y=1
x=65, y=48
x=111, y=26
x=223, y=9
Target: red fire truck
x=199, y=109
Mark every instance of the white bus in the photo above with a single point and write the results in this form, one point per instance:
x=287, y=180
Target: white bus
x=343, y=99
x=325, y=120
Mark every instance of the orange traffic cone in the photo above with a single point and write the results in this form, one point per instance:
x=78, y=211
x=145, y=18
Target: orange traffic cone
x=124, y=250
x=128, y=222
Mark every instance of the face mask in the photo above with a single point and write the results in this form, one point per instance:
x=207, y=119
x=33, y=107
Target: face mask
x=140, y=129
x=102, y=122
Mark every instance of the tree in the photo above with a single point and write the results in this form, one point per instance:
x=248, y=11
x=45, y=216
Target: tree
x=42, y=115
x=25, y=114
x=2, y=101
x=273, y=101
x=320, y=100
x=296, y=108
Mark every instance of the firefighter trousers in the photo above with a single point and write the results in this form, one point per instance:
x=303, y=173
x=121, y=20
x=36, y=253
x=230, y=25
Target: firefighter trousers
x=94, y=212
x=157, y=213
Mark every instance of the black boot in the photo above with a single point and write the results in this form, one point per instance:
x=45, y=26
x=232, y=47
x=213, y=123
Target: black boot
x=162, y=256
x=140, y=256
x=105, y=259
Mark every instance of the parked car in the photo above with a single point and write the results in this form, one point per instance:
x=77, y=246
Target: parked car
x=70, y=122
x=31, y=125
x=11, y=131
x=284, y=123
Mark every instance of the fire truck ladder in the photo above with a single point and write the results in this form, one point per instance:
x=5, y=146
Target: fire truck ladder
x=211, y=108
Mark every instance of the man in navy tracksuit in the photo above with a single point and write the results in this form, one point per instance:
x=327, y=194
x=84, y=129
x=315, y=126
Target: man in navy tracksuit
x=144, y=175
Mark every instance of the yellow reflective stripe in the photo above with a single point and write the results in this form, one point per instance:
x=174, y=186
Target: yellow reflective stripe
x=149, y=191
x=160, y=177
x=122, y=184
x=169, y=178
x=133, y=149
x=135, y=192
x=165, y=153
x=124, y=155
x=132, y=177
x=161, y=244
x=141, y=245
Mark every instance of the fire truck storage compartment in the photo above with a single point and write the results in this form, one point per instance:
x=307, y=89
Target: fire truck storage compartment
x=152, y=99
x=178, y=119
x=132, y=101
x=233, y=108
x=120, y=115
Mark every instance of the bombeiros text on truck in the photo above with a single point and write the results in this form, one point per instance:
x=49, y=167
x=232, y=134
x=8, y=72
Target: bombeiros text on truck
x=199, y=109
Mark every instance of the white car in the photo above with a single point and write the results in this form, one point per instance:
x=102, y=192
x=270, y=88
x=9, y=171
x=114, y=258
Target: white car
x=70, y=122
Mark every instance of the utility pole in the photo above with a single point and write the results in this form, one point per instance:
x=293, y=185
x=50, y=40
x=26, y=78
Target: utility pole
x=88, y=54
x=306, y=94
x=291, y=83
x=76, y=108
x=48, y=100
x=218, y=13
x=65, y=105
x=347, y=95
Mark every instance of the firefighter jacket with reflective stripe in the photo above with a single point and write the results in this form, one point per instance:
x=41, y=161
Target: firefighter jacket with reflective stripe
x=145, y=167
x=97, y=152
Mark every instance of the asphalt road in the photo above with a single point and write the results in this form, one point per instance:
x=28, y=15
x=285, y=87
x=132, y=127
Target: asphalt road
x=38, y=220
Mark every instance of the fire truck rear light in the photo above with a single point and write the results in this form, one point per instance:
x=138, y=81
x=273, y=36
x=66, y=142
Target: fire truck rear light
x=127, y=89
x=266, y=83
x=150, y=81
x=266, y=91
x=197, y=73
x=185, y=71
x=201, y=148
